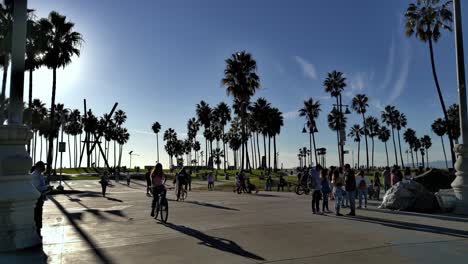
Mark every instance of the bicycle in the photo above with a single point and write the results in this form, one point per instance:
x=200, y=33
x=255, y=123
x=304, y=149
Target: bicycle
x=302, y=189
x=183, y=193
x=162, y=207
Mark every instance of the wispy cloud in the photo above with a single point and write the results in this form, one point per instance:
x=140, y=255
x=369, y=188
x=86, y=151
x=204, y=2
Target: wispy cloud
x=279, y=68
x=291, y=115
x=325, y=97
x=141, y=132
x=308, y=68
x=403, y=74
x=390, y=66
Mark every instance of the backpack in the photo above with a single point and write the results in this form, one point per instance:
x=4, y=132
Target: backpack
x=362, y=184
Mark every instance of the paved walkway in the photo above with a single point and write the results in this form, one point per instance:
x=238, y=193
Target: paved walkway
x=223, y=227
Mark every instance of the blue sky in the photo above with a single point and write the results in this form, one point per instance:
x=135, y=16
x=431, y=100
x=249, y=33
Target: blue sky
x=159, y=58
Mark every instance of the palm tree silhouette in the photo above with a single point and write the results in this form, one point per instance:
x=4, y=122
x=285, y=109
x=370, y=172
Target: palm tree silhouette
x=311, y=111
x=241, y=82
x=373, y=127
x=156, y=127
x=276, y=122
x=439, y=127
x=400, y=122
x=384, y=136
x=337, y=122
x=204, y=117
x=260, y=110
x=223, y=113
x=426, y=143
x=334, y=85
x=61, y=43
x=425, y=19
x=170, y=136
x=389, y=117
x=410, y=137
x=360, y=104
x=6, y=20
x=39, y=113
x=416, y=148
x=196, y=148
x=356, y=132
x=454, y=122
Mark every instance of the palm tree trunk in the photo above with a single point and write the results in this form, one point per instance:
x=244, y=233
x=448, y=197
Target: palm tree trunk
x=258, y=152
x=40, y=154
x=252, y=151
x=75, y=150
x=30, y=107
x=412, y=156
x=315, y=149
x=442, y=103
x=224, y=151
x=269, y=154
x=358, y=152
x=264, y=151
x=422, y=160
x=365, y=137
x=115, y=155
x=247, y=160
x=35, y=146
x=427, y=157
x=341, y=145
x=3, y=95
x=206, y=151
x=157, y=146
x=401, y=154
x=394, y=146
x=275, y=165
x=310, y=147
x=372, y=138
x=52, y=120
x=445, y=154
x=69, y=151
x=417, y=161
x=386, y=152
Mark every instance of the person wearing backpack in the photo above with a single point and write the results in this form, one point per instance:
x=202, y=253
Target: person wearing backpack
x=326, y=189
x=315, y=184
x=362, y=189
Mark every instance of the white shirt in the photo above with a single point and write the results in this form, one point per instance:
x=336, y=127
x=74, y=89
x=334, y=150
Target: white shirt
x=38, y=181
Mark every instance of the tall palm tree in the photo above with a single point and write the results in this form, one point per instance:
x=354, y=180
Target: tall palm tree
x=311, y=111
x=277, y=121
x=410, y=138
x=454, y=122
x=241, y=82
x=223, y=112
x=260, y=110
x=39, y=113
x=196, y=148
x=334, y=85
x=439, y=127
x=204, y=112
x=156, y=127
x=360, y=104
x=384, y=136
x=337, y=122
x=373, y=127
x=416, y=147
x=426, y=143
x=122, y=138
x=389, y=117
x=425, y=19
x=61, y=44
x=356, y=132
x=170, y=136
x=400, y=122
x=6, y=22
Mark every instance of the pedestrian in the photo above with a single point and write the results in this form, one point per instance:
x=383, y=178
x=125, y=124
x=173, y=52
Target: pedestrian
x=238, y=186
x=104, y=183
x=387, y=179
x=338, y=191
x=188, y=183
x=281, y=184
x=128, y=178
x=326, y=189
x=345, y=201
x=268, y=184
x=350, y=187
x=39, y=182
x=377, y=185
x=181, y=181
x=316, y=186
x=210, y=179
x=362, y=188
x=148, y=182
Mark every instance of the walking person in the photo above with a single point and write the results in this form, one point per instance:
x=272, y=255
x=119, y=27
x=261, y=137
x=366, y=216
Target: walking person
x=338, y=191
x=128, y=178
x=350, y=187
x=210, y=179
x=158, y=179
x=316, y=185
x=386, y=178
x=362, y=189
x=281, y=184
x=326, y=190
x=148, y=181
x=104, y=183
x=345, y=201
x=377, y=185
x=39, y=182
x=181, y=181
x=268, y=184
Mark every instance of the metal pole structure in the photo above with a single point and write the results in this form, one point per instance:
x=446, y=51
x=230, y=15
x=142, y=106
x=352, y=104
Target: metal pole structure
x=18, y=196
x=460, y=184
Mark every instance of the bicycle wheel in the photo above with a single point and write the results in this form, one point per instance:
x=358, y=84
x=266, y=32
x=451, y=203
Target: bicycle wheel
x=157, y=208
x=164, y=210
x=299, y=190
x=183, y=194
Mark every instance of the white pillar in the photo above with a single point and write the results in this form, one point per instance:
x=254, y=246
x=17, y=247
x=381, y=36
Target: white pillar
x=460, y=184
x=17, y=196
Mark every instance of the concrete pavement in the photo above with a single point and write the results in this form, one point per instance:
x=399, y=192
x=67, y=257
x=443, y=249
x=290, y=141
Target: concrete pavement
x=223, y=227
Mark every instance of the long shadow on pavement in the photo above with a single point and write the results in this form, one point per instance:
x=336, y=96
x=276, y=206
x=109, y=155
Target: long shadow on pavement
x=457, y=218
x=212, y=205
x=218, y=243
x=409, y=226
x=92, y=244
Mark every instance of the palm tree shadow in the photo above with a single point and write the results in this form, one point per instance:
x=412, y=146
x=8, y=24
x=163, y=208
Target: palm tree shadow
x=410, y=226
x=212, y=205
x=218, y=243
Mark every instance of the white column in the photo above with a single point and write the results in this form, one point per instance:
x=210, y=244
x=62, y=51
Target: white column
x=460, y=184
x=17, y=196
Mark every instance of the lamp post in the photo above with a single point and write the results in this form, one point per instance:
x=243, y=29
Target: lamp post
x=18, y=196
x=312, y=130
x=342, y=134
x=61, y=144
x=460, y=184
x=131, y=154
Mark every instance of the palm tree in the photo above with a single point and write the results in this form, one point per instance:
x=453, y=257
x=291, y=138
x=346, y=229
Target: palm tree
x=196, y=148
x=260, y=110
x=170, y=136
x=6, y=22
x=454, y=122
x=373, y=127
x=61, y=43
x=311, y=111
x=277, y=121
x=360, y=104
x=122, y=138
x=204, y=112
x=425, y=20
x=223, y=113
x=400, y=122
x=389, y=117
x=334, y=85
x=39, y=113
x=356, y=132
x=156, y=127
x=416, y=148
x=426, y=143
x=410, y=138
x=439, y=127
x=337, y=122
x=241, y=81
x=384, y=136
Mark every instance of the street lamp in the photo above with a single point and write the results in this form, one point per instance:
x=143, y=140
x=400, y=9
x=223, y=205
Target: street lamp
x=342, y=134
x=131, y=154
x=460, y=184
x=61, y=146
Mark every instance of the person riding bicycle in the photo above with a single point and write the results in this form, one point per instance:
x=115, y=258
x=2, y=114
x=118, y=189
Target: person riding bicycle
x=181, y=180
x=158, y=180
